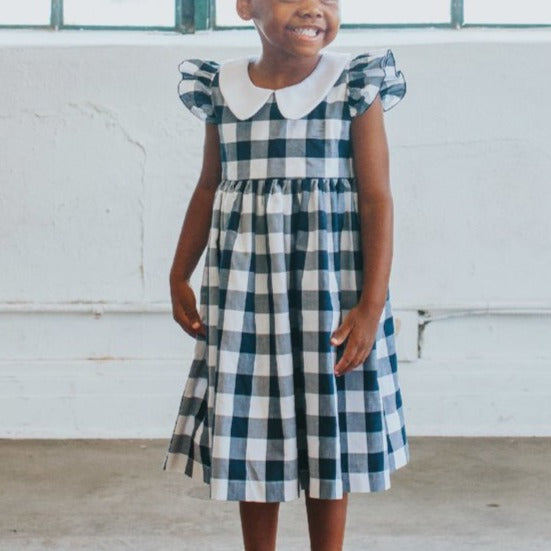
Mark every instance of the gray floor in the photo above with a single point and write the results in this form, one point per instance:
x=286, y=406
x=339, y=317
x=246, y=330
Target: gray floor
x=456, y=494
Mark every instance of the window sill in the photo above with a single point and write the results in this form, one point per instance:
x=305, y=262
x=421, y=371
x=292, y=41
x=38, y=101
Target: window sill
x=247, y=38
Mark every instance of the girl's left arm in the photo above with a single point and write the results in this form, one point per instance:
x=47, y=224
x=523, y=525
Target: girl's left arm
x=371, y=167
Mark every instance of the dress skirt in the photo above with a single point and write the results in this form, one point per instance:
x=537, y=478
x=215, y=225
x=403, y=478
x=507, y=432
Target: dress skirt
x=262, y=414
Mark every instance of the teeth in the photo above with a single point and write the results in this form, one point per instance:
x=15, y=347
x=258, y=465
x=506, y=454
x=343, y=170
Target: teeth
x=306, y=32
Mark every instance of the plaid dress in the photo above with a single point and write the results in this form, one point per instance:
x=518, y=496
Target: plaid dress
x=262, y=414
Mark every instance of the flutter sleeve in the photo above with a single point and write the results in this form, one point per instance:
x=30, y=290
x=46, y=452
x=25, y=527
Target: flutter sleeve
x=374, y=73
x=195, y=87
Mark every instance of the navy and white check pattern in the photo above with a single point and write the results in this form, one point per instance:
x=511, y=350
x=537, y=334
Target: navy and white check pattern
x=262, y=415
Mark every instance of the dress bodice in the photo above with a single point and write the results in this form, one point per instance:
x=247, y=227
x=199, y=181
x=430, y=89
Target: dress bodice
x=301, y=131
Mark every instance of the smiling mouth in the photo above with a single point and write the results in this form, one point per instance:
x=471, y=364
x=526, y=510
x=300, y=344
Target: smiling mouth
x=307, y=32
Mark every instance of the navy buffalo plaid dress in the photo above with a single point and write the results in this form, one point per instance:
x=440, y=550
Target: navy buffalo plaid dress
x=262, y=414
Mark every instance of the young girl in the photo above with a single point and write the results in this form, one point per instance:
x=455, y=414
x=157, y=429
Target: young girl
x=294, y=381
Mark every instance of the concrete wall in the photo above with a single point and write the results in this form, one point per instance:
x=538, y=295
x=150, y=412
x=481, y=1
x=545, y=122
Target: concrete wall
x=99, y=158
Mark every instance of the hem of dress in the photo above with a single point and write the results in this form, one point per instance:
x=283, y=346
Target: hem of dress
x=201, y=473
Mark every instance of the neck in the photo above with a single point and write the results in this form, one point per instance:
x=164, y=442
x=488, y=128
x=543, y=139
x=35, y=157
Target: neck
x=279, y=71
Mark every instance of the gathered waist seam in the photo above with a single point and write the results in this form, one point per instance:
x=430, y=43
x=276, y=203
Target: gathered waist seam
x=303, y=184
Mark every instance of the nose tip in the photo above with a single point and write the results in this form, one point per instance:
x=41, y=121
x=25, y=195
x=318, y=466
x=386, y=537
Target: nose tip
x=310, y=14
x=311, y=10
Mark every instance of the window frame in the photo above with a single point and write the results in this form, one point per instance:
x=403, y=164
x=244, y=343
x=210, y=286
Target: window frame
x=199, y=15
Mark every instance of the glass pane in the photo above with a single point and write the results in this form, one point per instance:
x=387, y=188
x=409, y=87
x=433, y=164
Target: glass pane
x=497, y=11
x=25, y=12
x=396, y=11
x=226, y=15
x=365, y=12
x=143, y=13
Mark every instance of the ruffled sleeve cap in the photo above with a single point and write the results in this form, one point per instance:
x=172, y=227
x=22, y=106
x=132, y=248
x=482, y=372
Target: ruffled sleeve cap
x=195, y=87
x=371, y=74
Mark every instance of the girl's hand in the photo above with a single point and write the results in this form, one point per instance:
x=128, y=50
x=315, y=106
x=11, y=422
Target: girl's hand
x=359, y=328
x=184, y=309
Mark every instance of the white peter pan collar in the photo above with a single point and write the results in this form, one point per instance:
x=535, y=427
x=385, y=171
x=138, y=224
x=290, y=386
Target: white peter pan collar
x=294, y=102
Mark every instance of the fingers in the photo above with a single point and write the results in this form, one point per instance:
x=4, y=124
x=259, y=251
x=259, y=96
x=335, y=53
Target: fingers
x=341, y=332
x=356, y=350
x=192, y=328
x=358, y=329
x=337, y=338
x=184, y=309
x=193, y=318
x=191, y=325
x=352, y=349
x=352, y=357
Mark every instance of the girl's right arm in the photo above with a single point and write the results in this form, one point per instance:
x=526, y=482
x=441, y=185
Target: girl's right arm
x=194, y=237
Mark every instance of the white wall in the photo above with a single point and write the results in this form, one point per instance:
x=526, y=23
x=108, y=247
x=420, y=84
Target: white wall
x=98, y=160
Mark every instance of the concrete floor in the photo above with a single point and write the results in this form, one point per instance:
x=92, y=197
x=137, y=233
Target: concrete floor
x=456, y=494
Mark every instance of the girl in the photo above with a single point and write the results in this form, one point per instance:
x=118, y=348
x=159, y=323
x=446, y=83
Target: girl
x=294, y=378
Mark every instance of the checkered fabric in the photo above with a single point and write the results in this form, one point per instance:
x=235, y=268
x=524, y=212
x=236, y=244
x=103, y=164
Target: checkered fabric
x=262, y=414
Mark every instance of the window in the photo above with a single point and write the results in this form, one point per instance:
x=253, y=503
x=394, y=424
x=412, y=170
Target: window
x=152, y=13
x=176, y=15
x=430, y=13
x=527, y=12
x=364, y=12
x=189, y=15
